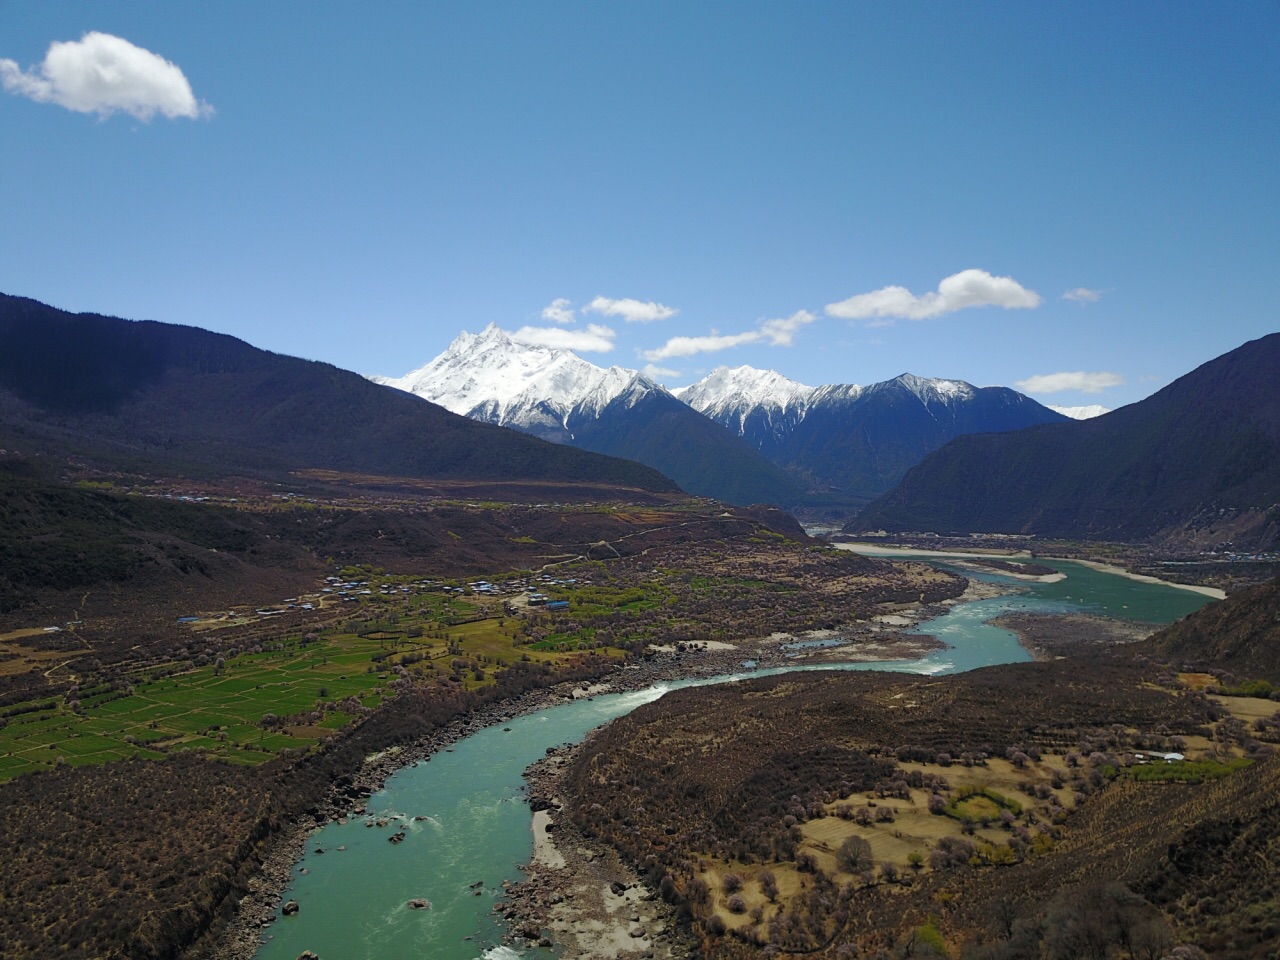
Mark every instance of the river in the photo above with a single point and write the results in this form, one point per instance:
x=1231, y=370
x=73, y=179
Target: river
x=466, y=825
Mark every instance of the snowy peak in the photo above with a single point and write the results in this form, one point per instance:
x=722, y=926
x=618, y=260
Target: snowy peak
x=928, y=390
x=729, y=390
x=490, y=376
x=490, y=369
x=846, y=439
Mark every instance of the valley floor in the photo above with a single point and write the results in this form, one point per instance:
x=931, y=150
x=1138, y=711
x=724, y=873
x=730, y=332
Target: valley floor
x=594, y=921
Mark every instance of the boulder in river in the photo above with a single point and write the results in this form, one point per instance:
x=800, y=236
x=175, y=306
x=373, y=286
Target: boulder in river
x=419, y=903
x=290, y=908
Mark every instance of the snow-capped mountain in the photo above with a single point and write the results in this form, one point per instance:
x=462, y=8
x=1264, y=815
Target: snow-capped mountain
x=556, y=395
x=1087, y=412
x=488, y=376
x=740, y=435
x=851, y=439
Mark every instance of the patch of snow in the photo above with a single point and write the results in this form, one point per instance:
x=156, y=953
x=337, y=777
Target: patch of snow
x=932, y=390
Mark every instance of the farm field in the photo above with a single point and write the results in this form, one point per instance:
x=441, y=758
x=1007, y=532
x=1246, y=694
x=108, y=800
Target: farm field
x=249, y=707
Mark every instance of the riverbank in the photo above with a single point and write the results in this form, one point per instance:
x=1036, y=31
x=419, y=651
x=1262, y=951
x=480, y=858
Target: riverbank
x=580, y=896
x=879, y=550
x=1144, y=578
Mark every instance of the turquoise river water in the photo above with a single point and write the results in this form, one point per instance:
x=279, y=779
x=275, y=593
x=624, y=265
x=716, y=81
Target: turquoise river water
x=476, y=826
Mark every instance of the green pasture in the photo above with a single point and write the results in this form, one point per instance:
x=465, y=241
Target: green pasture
x=1186, y=771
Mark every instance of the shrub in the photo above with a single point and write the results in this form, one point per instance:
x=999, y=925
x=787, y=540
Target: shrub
x=769, y=885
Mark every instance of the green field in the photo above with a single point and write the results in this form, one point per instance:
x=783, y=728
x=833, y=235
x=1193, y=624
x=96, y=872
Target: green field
x=219, y=710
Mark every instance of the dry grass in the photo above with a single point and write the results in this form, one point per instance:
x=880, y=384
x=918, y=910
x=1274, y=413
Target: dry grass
x=1197, y=681
x=913, y=830
x=1248, y=709
x=789, y=881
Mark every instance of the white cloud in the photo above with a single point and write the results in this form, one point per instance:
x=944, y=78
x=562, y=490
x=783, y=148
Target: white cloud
x=558, y=310
x=103, y=74
x=777, y=333
x=968, y=288
x=1063, y=382
x=633, y=311
x=688, y=346
x=655, y=372
x=1082, y=295
x=594, y=339
x=781, y=332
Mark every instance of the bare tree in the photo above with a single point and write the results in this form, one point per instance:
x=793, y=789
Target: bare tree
x=854, y=855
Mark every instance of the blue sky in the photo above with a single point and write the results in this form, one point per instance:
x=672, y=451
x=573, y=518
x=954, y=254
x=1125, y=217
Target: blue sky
x=728, y=183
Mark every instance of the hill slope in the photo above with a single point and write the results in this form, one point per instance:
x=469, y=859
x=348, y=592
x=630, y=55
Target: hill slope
x=1200, y=459
x=170, y=394
x=1240, y=634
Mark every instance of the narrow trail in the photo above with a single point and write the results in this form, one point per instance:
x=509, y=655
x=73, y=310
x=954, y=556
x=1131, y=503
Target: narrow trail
x=639, y=533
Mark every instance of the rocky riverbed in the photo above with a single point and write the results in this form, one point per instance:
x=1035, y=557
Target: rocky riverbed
x=579, y=895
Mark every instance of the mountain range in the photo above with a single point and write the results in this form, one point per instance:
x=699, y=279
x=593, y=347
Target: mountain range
x=1197, y=463
x=738, y=435
x=169, y=397
x=857, y=440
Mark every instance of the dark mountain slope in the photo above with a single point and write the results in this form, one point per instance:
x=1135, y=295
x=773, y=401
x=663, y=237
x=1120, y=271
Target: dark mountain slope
x=1240, y=634
x=173, y=393
x=699, y=454
x=1203, y=454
